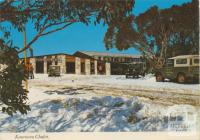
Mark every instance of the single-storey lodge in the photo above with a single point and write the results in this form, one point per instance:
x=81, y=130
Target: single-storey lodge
x=83, y=62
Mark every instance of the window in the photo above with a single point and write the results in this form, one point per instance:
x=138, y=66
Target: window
x=95, y=57
x=181, y=61
x=105, y=59
x=170, y=62
x=111, y=59
x=196, y=61
x=136, y=59
x=190, y=61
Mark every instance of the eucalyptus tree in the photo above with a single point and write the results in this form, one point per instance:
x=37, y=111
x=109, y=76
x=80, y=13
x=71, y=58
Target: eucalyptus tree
x=158, y=33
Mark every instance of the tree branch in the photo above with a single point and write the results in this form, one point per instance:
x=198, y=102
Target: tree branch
x=58, y=23
x=58, y=29
x=42, y=34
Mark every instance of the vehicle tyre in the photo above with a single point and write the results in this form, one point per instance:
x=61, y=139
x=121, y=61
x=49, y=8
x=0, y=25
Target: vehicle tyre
x=191, y=80
x=181, y=78
x=143, y=74
x=197, y=81
x=159, y=78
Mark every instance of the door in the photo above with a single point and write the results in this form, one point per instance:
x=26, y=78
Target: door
x=70, y=67
x=39, y=66
x=169, y=69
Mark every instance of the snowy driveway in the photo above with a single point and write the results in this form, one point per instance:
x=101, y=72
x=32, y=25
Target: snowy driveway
x=162, y=92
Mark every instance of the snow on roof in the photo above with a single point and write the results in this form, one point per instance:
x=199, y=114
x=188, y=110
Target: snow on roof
x=184, y=56
x=90, y=53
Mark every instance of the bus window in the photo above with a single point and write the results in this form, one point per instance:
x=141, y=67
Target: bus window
x=190, y=61
x=196, y=61
x=170, y=62
x=181, y=61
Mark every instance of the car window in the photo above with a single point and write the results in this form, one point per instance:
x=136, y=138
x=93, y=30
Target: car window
x=196, y=61
x=190, y=61
x=181, y=61
x=170, y=62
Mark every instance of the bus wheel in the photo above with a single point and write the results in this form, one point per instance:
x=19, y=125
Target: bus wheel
x=181, y=78
x=159, y=78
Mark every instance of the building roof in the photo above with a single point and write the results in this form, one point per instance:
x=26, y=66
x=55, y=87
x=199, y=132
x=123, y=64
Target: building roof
x=184, y=56
x=50, y=55
x=91, y=54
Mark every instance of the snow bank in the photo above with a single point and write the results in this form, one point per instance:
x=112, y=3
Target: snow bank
x=83, y=115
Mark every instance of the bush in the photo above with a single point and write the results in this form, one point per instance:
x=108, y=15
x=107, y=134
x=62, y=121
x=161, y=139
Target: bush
x=13, y=96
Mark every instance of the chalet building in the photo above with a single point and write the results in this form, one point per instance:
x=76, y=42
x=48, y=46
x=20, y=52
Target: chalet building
x=69, y=64
x=82, y=62
x=117, y=61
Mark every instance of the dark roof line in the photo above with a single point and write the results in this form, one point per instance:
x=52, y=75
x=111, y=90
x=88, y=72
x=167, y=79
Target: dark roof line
x=93, y=53
x=51, y=54
x=90, y=53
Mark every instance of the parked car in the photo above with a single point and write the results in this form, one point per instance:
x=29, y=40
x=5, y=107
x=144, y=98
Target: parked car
x=54, y=70
x=183, y=68
x=134, y=70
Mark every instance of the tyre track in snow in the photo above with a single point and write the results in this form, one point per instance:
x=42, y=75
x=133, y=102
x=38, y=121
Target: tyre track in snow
x=168, y=96
x=161, y=96
x=166, y=93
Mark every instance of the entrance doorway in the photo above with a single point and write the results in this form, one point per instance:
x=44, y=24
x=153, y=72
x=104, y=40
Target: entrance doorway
x=39, y=66
x=70, y=67
x=92, y=68
x=101, y=68
x=82, y=67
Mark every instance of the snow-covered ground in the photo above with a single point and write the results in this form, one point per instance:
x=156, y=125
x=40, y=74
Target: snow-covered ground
x=106, y=103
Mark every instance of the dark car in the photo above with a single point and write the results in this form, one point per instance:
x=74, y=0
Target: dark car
x=183, y=68
x=54, y=70
x=135, y=70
